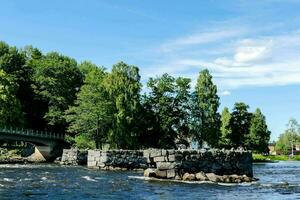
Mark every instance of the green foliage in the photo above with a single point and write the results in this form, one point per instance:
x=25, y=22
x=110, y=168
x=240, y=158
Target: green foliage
x=48, y=92
x=268, y=158
x=167, y=107
x=84, y=142
x=91, y=116
x=240, y=123
x=259, y=135
x=123, y=86
x=56, y=81
x=10, y=109
x=206, y=110
x=289, y=137
x=225, y=128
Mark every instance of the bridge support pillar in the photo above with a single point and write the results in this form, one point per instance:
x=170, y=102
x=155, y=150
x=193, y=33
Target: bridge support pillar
x=42, y=153
x=46, y=153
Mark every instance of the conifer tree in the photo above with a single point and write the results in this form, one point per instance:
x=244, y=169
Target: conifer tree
x=206, y=110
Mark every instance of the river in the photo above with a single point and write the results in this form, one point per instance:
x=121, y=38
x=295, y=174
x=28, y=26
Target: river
x=48, y=181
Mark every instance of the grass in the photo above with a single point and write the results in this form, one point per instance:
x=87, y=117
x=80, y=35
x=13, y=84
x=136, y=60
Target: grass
x=270, y=158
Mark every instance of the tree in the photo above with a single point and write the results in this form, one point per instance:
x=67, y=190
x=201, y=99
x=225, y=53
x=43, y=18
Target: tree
x=182, y=106
x=57, y=79
x=259, y=134
x=10, y=107
x=206, y=110
x=240, y=125
x=16, y=74
x=225, y=128
x=290, y=136
x=168, y=110
x=123, y=86
x=159, y=103
x=91, y=116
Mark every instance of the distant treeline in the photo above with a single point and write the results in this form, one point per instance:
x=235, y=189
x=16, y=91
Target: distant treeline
x=95, y=107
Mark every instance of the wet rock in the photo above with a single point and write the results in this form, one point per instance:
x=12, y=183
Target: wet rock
x=150, y=172
x=189, y=177
x=213, y=177
x=201, y=176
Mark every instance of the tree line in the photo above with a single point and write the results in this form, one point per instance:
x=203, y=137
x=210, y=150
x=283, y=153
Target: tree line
x=289, y=138
x=96, y=107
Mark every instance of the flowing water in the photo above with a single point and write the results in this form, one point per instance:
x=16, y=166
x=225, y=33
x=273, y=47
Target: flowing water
x=277, y=181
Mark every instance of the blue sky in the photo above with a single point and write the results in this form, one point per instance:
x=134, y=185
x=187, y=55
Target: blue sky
x=252, y=48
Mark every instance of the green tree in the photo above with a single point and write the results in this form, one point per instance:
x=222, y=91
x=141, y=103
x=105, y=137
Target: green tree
x=123, y=86
x=206, y=110
x=56, y=81
x=159, y=103
x=91, y=117
x=168, y=109
x=10, y=107
x=290, y=136
x=240, y=125
x=182, y=108
x=12, y=64
x=259, y=136
x=225, y=128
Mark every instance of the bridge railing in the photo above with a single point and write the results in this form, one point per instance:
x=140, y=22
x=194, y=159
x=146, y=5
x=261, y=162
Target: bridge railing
x=31, y=132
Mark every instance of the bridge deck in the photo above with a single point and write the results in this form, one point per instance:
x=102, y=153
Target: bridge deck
x=32, y=133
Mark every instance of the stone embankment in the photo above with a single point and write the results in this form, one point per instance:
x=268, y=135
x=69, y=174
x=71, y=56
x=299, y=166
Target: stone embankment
x=74, y=157
x=117, y=159
x=228, y=166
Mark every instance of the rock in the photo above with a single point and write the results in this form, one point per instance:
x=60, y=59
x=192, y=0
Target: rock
x=201, y=176
x=171, y=158
x=165, y=165
x=188, y=177
x=213, y=177
x=159, y=159
x=161, y=173
x=149, y=172
x=155, y=153
x=171, y=173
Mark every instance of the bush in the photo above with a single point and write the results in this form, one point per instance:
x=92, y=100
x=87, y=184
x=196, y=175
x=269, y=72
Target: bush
x=84, y=142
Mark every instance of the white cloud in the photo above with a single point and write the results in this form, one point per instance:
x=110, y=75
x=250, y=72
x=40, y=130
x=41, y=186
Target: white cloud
x=199, y=39
x=225, y=93
x=252, y=51
x=248, y=61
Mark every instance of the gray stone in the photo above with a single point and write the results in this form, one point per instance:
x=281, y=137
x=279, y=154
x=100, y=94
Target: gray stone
x=212, y=177
x=188, y=177
x=171, y=158
x=165, y=165
x=149, y=172
x=159, y=159
x=155, y=153
x=161, y=173
x=171, y=173
x=201, y=176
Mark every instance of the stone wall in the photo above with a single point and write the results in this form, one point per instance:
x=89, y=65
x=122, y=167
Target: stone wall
x=74, y=157
x=172, y=163
x=117, y=159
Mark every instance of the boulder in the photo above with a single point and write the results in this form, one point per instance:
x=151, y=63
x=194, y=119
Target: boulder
x=201, y=176
x=188, y=177
x=149, y=172
x=161, y=173
x=171, y=173
x=212, y=177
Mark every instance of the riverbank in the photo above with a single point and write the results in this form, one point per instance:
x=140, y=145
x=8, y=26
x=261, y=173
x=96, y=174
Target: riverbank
x=273, y=158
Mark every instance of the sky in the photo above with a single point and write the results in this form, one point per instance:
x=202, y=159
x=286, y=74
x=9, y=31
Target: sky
x=252, y=48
